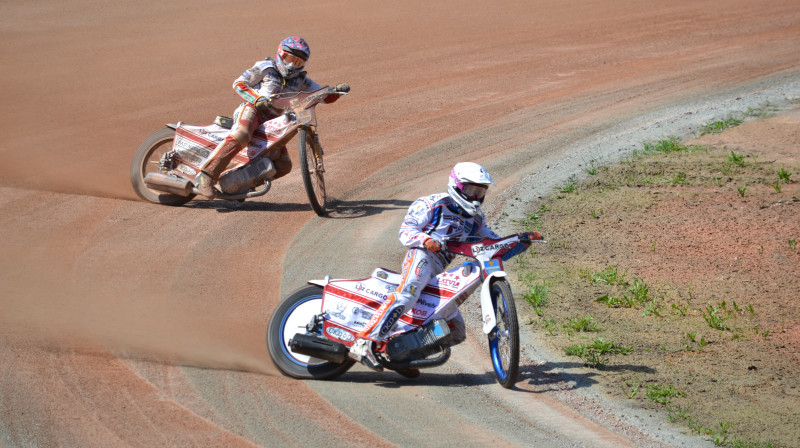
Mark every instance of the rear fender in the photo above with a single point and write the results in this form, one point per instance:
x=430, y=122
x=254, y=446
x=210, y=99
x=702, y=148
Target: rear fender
x=324, y=282
x=487, y=310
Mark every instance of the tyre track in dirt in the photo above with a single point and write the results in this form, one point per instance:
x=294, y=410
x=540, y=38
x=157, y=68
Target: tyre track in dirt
x=125, y=323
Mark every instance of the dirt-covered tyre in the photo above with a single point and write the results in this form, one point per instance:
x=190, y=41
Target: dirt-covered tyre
x=146, y=161
x=290, y=318
x=311, y=169
x=504, y=340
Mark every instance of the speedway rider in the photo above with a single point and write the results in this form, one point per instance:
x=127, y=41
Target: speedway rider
x=266, y=80
x=431, y=220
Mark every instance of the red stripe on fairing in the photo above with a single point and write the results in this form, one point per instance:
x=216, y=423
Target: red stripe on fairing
x=347, y=295
x=197, y=139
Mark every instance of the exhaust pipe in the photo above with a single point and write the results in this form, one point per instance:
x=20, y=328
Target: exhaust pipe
x=168, y=184
x=319, y=347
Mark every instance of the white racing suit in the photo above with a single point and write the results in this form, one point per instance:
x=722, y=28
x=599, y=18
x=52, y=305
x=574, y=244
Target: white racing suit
x=438, y=217
x=263, y=79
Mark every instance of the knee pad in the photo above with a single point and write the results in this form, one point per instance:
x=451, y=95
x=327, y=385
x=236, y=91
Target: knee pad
x=241, y=135
x=243, y=129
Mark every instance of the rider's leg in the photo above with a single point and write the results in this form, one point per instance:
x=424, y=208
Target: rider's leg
x=238, y=138
x=457, y=328
x=419, y=266
x=283, y=164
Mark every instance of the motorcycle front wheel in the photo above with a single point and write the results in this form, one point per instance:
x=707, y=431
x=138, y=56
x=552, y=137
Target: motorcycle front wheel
x=504, y=339
x=146, y=161
x=290, y=318
x=312, y=170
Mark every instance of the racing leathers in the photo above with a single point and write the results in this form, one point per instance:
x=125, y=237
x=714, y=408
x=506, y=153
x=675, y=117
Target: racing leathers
x=256, y=87
x=435, y=217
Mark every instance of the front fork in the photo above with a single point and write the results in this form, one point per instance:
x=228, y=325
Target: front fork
x=487, y=308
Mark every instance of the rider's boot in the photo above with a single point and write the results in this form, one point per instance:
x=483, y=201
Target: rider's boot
x=204, y=184
x=220, y=158
x=362, y=351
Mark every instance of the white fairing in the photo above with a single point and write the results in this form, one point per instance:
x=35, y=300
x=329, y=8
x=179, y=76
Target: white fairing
x=349, y=304
x=487, y=310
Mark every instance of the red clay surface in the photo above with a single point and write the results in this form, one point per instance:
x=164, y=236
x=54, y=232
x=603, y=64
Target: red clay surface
x=129, y=324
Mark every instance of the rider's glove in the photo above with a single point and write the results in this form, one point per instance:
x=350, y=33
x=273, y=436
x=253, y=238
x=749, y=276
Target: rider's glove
x=263, y=104
x=432, y=245
x=527, y=237
x=341, y=88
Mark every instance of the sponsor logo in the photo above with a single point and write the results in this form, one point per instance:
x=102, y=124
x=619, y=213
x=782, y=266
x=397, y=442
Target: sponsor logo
x=187, y=170
x=371, y=292
x=420, y=266
x=391, y=319
x=412, y=222
x=362, y=313
x=491, y=266
x=381, y=274
x=340, y=334
x=340, y=307
x=428, y=304
x=211, y=136
x=450, y=282
x=419, y=313
x=411, y=289
x=478, y=249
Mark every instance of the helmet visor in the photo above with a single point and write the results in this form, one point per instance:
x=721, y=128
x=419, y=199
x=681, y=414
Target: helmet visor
x=474, y=192
x=291, y=60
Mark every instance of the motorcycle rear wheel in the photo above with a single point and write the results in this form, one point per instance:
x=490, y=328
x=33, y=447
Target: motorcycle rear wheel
x=504, y=339
x=290, y=318
x=146, y=161
x=310, y=169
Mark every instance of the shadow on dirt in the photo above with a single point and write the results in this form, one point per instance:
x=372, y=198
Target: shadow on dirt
x=336, y=209
x=545, y=377
x=554, y=373
x=390, y=379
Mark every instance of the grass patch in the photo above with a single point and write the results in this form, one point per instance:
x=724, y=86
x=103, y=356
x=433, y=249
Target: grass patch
x=720, y=125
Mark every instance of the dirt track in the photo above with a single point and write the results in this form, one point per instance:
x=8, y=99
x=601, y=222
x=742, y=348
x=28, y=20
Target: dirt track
x=125, y=323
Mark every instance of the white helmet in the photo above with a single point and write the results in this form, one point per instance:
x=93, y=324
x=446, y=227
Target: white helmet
x=467, y=186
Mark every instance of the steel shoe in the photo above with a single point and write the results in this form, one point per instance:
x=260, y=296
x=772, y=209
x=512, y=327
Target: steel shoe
x=362, y=352
x=205, y=185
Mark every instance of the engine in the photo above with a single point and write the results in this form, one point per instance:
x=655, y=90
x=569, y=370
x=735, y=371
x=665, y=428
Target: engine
x=426, y=340
x=247, y=177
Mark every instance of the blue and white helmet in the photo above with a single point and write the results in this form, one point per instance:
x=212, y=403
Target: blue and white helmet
x=467, y=186
x=292, y=55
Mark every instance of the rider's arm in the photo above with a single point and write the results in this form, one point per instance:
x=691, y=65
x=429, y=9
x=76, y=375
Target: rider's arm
x=245, y=85
x=419, y=216
x=481, y=229
x=311, y=86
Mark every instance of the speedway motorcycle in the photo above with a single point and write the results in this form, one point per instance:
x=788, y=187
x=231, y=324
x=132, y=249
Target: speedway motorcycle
x=167, y=161
x=311, y=331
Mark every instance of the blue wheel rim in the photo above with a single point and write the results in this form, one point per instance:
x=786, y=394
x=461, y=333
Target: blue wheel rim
x=494, y=340
x=284, y=343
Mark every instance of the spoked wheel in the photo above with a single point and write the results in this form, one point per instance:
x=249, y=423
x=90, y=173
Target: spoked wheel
x=290, y=318
x=504, y=339
x=313, y=171
x=147, y=160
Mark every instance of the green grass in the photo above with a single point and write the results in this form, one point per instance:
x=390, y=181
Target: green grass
x=583, y=324
x=714, y=319
x=536, y=295
x=663, y=394
x=571, y=186
x=596, y=355
x=719, y=126
x=784, y=175
x=736, y=158
x=610, y=276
